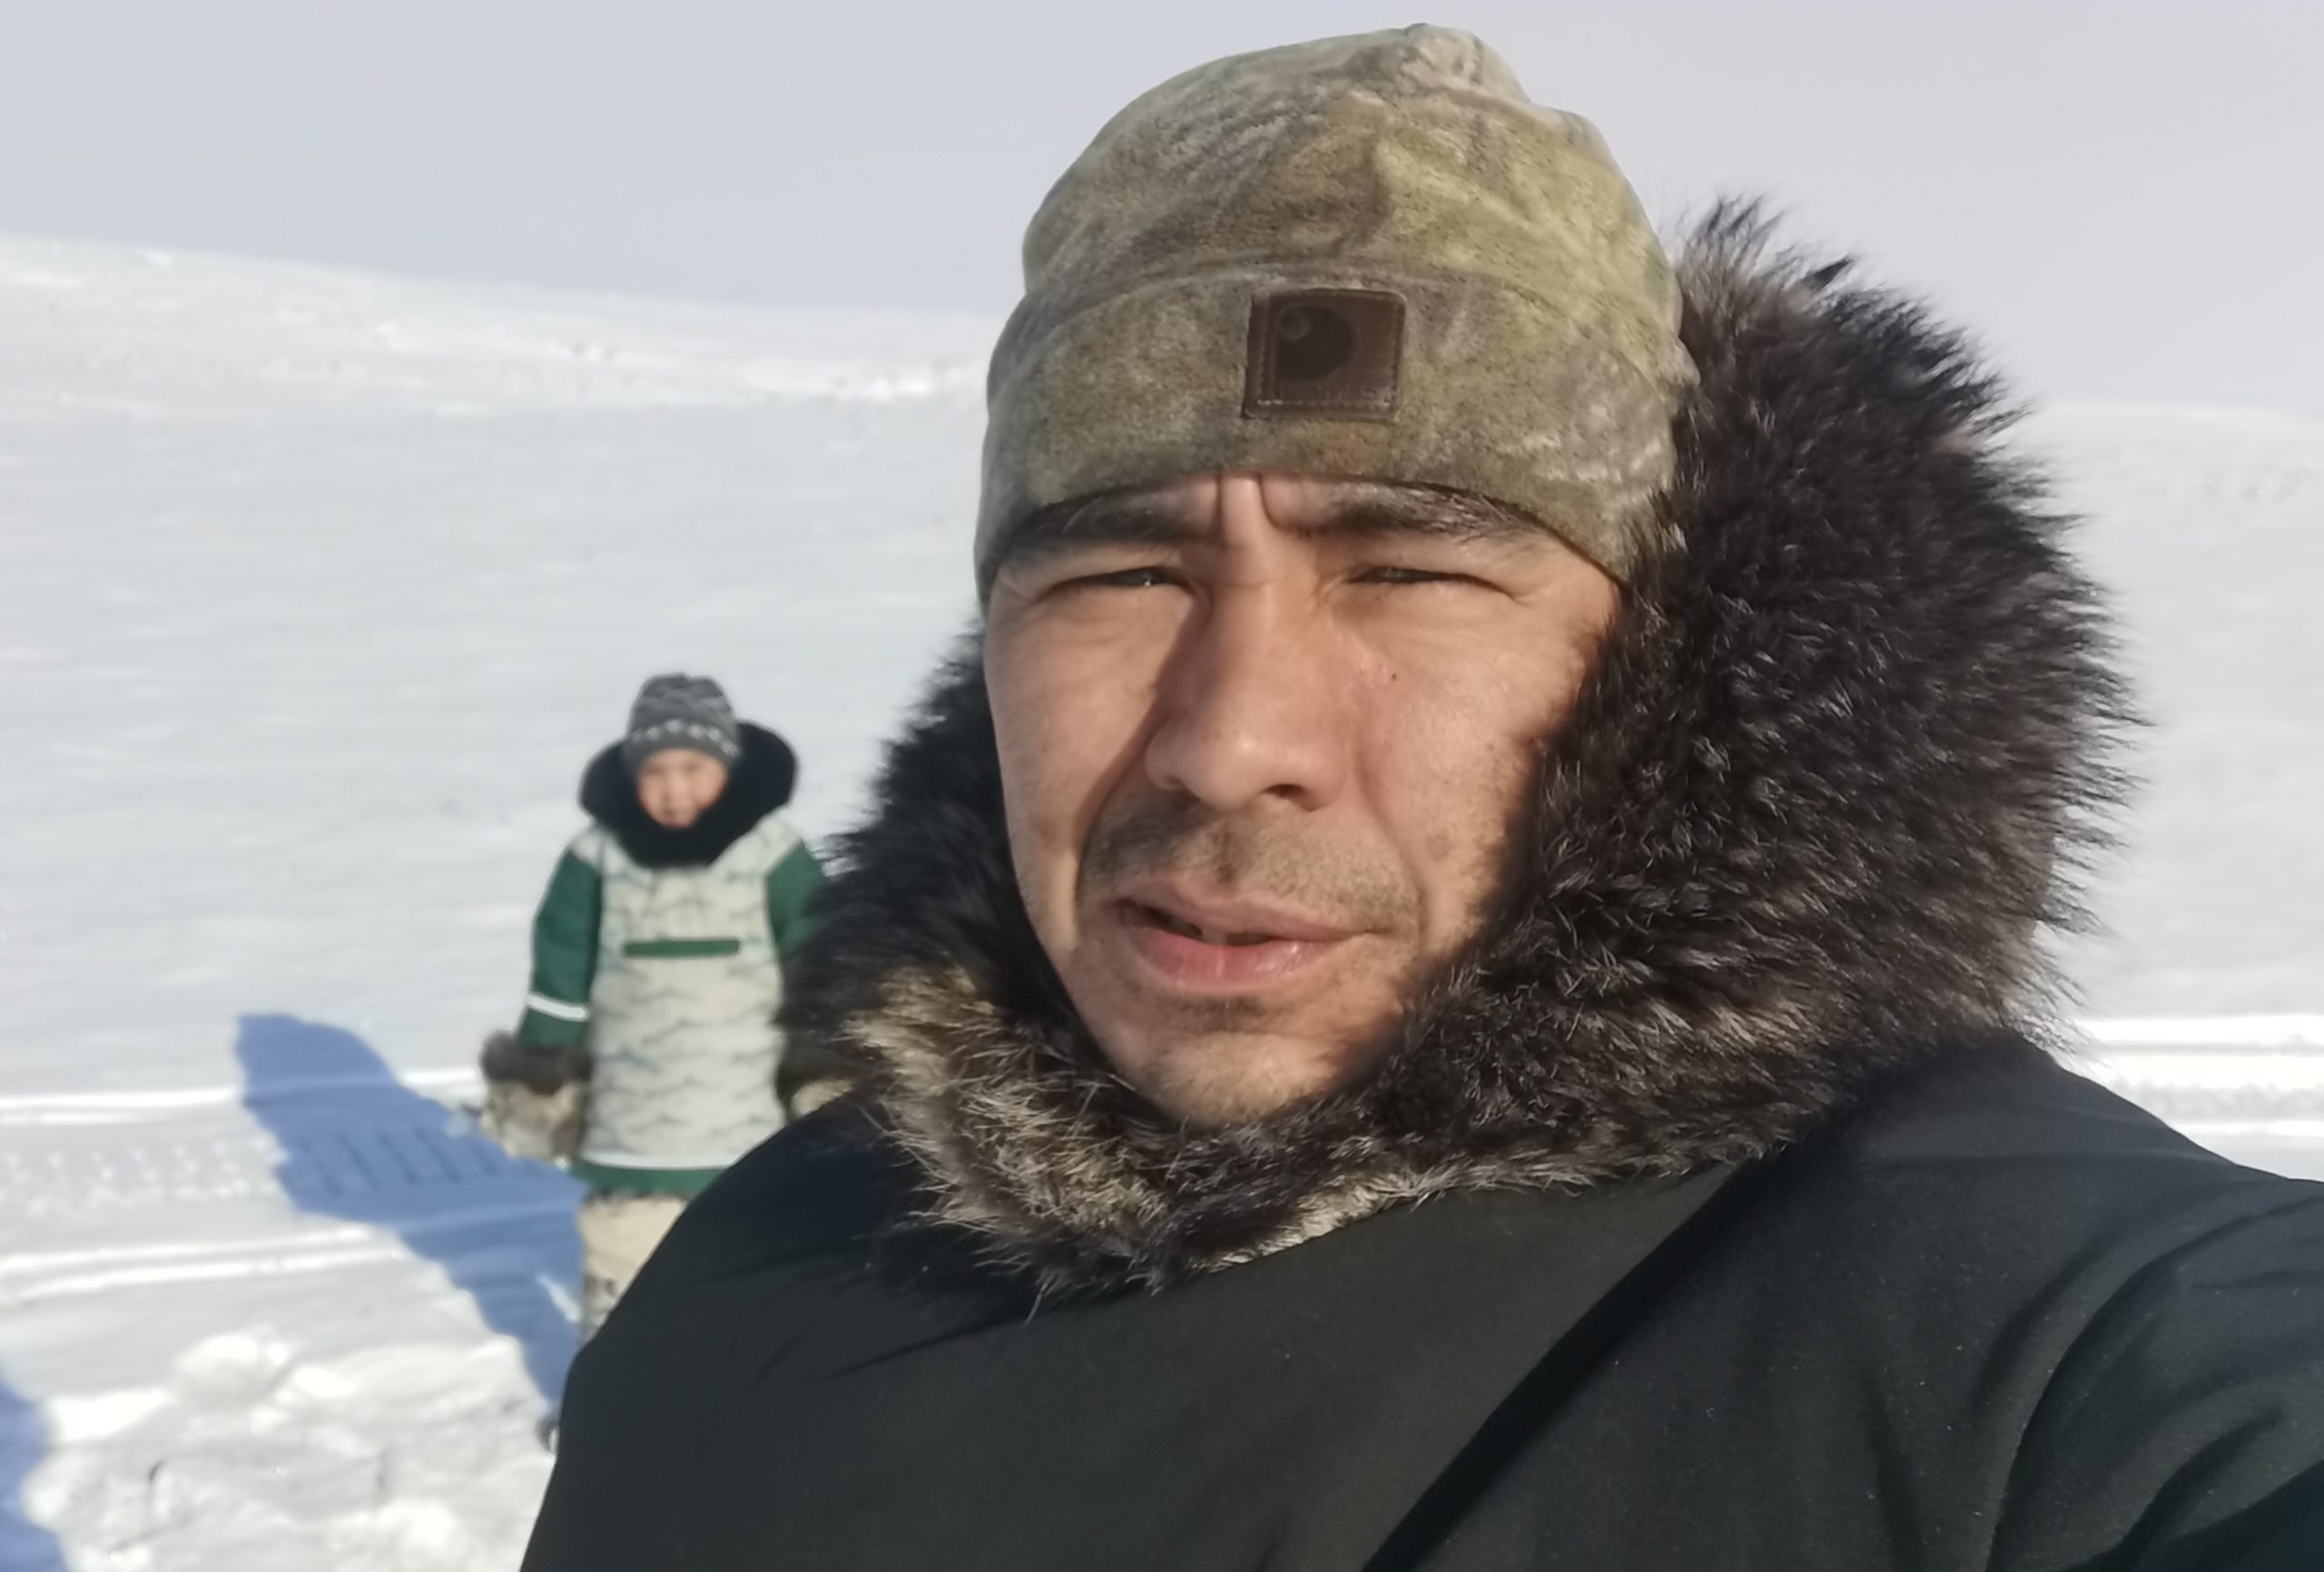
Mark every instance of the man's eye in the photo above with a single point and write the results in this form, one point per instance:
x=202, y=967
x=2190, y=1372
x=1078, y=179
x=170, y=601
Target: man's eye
x=1404, y=576
x=1123, y=578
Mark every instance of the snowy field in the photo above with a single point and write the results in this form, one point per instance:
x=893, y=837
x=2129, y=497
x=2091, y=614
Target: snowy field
x=316, y=591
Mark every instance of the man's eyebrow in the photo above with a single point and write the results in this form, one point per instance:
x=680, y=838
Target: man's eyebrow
x=1394, y=510
x=1365, y=512
x=1107, y=518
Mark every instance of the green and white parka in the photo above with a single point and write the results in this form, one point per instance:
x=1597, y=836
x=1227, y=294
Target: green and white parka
x=659, y=951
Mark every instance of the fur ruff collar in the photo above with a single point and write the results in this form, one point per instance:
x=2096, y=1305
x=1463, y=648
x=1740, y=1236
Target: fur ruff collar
x=759, y=783
x=1839, y=763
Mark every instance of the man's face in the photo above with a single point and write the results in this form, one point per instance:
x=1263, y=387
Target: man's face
x=676, y=784
x=1262, y=739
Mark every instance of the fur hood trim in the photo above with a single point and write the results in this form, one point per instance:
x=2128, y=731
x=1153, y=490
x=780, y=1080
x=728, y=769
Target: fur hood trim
x=1841, y=759
x=760, y=782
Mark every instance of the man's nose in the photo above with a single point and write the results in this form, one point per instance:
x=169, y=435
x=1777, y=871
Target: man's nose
x=1252, y=706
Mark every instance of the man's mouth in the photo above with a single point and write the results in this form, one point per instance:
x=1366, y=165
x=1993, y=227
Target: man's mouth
x=1168, y=923
x=1220, y=945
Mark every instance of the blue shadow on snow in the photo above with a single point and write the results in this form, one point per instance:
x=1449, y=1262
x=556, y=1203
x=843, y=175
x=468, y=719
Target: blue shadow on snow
x=24, y=1547
x=360, y=1144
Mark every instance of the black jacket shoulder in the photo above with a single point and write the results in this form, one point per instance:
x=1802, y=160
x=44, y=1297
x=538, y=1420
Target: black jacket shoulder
x=2116, y=1335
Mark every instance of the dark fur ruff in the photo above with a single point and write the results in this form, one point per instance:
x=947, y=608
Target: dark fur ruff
x=1836, y=765
x=760, y=782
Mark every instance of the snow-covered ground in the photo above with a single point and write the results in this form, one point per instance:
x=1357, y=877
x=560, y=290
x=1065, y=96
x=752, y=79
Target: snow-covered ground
x=317, y=589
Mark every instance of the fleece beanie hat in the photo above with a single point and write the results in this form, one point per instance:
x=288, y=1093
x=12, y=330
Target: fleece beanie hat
x=675, y=711
x=1368, y=257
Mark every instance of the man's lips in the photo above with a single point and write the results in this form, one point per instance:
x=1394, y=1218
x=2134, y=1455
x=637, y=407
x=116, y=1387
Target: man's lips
x=1219, y=916
x=1220, y=945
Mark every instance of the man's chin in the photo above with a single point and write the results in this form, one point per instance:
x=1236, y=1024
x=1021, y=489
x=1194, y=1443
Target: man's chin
x=1215, y=1079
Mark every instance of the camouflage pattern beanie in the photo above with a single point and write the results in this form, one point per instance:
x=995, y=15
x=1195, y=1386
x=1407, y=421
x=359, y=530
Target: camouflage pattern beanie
x=1368, y=257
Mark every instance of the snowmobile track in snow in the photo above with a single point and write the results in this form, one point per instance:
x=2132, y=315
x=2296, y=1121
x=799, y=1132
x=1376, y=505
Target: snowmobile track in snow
x=371, y=1148
x=372, y=1167
x=378, y=1173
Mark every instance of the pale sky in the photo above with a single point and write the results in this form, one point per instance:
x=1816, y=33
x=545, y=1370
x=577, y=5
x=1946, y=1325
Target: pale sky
x=2121, y=199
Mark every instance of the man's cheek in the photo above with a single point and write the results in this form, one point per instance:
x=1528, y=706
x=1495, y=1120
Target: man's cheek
x=1466, y=854
x=1039, y=797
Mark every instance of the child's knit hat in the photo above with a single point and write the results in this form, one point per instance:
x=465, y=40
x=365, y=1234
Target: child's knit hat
x=676, y=711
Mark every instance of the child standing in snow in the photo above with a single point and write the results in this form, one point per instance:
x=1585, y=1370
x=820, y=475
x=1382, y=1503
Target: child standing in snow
x=647, y=1053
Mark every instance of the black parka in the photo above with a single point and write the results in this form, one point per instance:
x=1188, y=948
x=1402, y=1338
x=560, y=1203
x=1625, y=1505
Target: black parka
x=1993, y=1323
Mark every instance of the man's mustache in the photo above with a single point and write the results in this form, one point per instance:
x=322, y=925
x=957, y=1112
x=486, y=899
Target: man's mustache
x=1318, y=873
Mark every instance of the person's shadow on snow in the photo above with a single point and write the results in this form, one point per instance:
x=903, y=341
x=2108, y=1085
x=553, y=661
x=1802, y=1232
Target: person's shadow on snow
x=24, y=1441
x=360, y=1144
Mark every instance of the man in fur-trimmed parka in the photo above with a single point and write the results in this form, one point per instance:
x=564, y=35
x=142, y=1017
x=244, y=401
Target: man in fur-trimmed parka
x=1455, y=982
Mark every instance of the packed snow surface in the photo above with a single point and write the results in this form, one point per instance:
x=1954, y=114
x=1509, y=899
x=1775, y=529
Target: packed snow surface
x=317, y=590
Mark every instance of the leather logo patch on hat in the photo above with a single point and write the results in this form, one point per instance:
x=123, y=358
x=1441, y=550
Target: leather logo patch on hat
x=1334, y=354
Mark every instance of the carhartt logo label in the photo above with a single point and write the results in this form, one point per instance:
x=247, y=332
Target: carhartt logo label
x=1334, y=354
